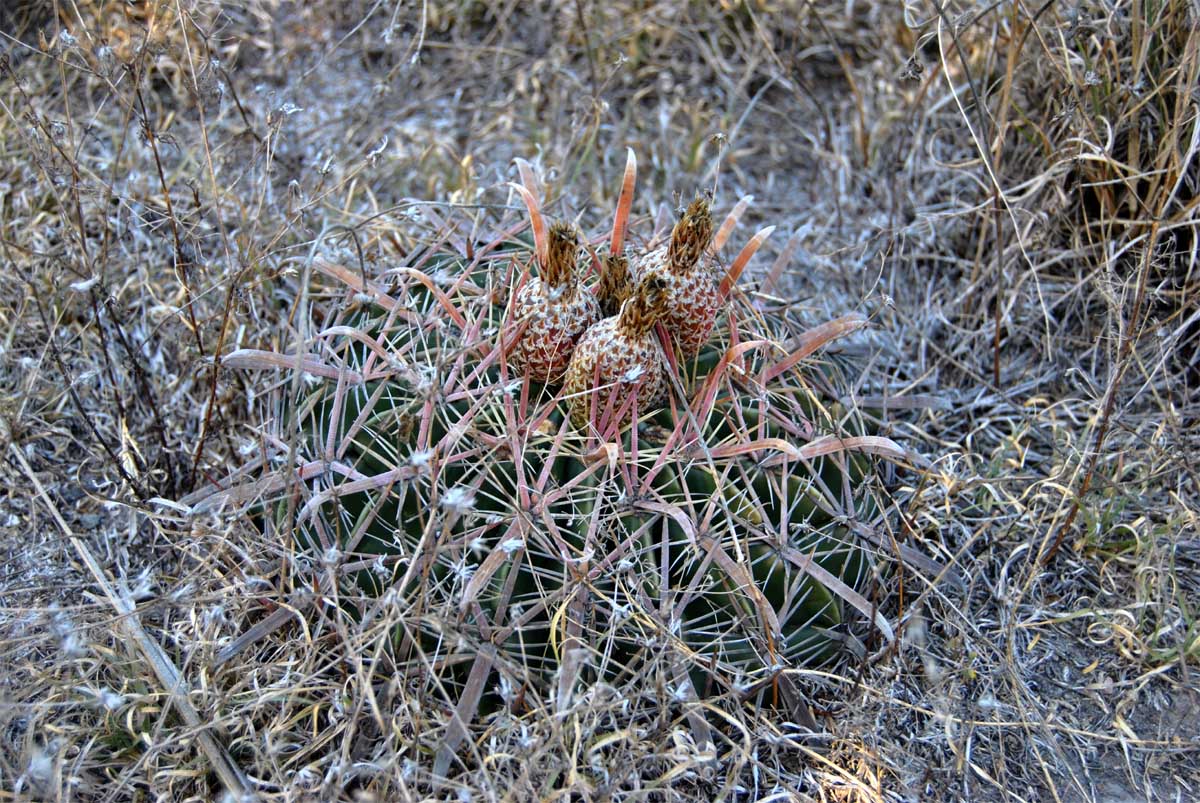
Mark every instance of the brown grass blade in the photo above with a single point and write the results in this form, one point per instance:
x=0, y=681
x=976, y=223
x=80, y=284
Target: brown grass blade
x=745, y=582
x=265, y=627
x=208, y=500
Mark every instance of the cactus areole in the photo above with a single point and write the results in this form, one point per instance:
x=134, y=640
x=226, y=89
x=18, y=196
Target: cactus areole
x=617, y=363
x=554, y=311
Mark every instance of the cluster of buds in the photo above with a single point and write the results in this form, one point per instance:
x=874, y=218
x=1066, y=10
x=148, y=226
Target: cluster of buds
x=601, y=342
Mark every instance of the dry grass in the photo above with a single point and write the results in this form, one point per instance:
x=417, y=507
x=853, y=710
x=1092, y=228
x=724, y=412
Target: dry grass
x=1010, y=192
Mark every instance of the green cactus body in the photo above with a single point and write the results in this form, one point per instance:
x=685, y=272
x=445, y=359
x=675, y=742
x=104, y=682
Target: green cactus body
x=464, y=493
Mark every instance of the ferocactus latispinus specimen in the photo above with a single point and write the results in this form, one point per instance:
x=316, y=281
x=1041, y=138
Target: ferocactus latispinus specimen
x=692, y=282
x=617, y=359
x=555, y=310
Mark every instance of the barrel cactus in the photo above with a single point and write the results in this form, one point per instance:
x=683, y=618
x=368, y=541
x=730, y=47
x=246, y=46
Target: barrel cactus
x=722, y=524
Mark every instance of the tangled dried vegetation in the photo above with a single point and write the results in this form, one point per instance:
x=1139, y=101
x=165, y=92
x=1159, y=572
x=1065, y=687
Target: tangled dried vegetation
x=1008, y=192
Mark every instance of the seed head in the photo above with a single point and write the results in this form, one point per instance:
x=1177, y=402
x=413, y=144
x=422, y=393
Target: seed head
x=615, y=286
x=691, y=235
x=644, y=308
x=559, y=271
